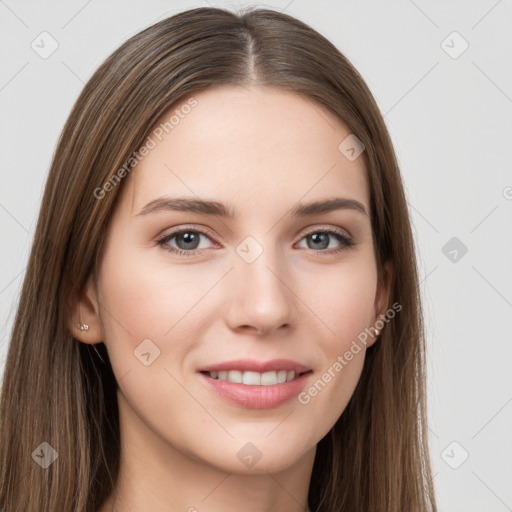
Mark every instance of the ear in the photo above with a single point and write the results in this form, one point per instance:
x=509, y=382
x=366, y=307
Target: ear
x=85, y=310
x=381, y=304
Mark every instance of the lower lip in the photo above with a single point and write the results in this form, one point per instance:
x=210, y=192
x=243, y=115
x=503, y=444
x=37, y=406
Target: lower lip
x=257, y=397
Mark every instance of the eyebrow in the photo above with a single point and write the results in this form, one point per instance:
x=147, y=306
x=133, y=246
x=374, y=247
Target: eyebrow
x=204, y=207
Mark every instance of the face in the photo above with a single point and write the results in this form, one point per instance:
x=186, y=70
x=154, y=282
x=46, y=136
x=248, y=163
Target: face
x=205, y=315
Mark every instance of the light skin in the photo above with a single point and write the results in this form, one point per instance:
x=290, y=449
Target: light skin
x=259, y=151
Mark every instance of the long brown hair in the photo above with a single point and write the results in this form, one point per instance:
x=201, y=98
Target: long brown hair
x=55, y=390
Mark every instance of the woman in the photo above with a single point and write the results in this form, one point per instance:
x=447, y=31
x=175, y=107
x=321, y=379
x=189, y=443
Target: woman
x=181, y=343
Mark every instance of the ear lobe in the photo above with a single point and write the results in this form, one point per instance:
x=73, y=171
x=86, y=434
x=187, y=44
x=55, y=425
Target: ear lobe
x=85, y=312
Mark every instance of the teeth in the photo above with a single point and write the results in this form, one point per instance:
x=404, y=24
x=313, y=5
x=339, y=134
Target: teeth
x=268, y=378
x=254, y=378
x=251, y=378
x=235, y=376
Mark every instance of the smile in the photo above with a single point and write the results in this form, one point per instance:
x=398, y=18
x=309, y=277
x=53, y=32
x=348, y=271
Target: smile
x=254, y=384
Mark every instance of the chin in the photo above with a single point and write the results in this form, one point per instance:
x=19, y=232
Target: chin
x=257, y=455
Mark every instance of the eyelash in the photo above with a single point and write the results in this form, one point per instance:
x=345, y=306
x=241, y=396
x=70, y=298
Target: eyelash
x=346, y=242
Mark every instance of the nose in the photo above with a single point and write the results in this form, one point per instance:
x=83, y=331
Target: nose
x=260, y=296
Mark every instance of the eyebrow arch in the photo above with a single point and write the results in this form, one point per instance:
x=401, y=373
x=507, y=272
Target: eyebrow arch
x=189, y=204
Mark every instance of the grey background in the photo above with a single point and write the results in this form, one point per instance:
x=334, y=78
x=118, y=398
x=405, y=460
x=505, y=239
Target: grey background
x=450, y=120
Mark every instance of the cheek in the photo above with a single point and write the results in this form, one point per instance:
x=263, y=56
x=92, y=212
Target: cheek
x=345, y=302
x=132, y=297
x=144, y=318
x=135, y=306
x=144, y=298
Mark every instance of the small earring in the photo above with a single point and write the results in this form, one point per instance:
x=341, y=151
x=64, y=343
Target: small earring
x=80, y=325
x=377, y=332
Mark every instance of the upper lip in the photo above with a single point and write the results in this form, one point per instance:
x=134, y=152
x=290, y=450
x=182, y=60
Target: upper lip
x=252, y=365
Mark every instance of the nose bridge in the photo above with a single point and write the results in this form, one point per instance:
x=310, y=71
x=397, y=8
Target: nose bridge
x=261, y=297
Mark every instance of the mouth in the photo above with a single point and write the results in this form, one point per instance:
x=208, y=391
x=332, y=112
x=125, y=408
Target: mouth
x=254, y=384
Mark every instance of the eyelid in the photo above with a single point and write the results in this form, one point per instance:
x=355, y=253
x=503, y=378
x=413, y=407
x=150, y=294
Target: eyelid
x=326, y=227
x=206, y=231
x=184, y=227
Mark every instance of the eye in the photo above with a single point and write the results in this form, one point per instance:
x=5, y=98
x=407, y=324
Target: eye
x=321, y=238
x=188, y=241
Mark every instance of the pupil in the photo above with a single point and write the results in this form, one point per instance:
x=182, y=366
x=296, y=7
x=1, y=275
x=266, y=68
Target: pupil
x=315, y=238
x=189, y=238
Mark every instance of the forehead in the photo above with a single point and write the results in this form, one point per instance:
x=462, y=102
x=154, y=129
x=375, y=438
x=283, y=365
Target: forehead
x=249, y=147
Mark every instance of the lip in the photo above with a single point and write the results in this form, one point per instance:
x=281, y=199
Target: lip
x=256, y=397
x=251, y=365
